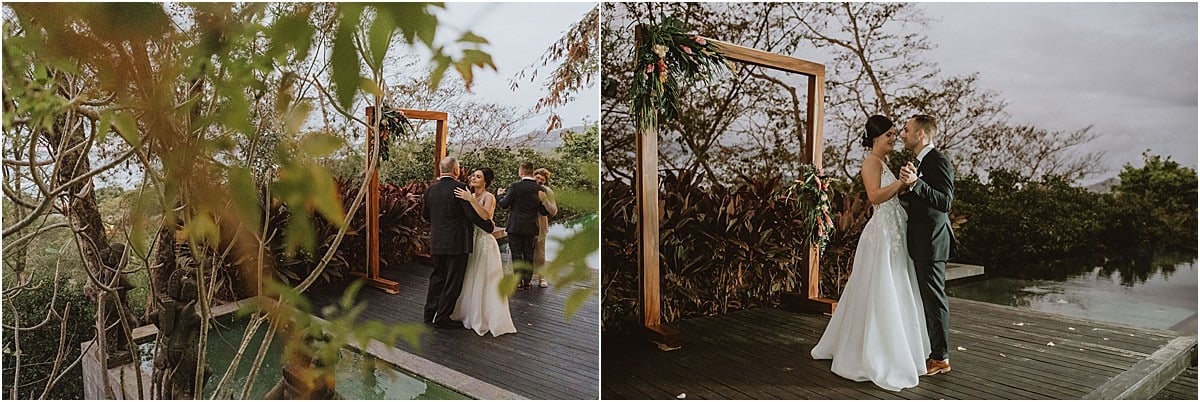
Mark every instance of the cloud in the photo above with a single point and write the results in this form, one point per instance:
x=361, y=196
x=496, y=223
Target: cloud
x=1128, y=69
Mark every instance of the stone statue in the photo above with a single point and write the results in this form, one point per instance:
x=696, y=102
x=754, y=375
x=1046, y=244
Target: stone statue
x=178, y=322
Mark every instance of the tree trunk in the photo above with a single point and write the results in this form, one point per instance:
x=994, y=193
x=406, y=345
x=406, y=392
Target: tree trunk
x=102, y=259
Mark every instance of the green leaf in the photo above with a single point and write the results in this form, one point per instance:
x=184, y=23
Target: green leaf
x=348, y=296
x=319, y=145
x=411, y=333
x=344, y=58
x=202, y=229
x=128, y=128
x=296, y=119
x=245, y=197
x=441, y=62
x=283, y=95
x=106, y=121
x=576, y=301
x=299, y=234
x=325, y=196
x=471, y=37
x=414, y=20
x=508, y=284
x=380, y=37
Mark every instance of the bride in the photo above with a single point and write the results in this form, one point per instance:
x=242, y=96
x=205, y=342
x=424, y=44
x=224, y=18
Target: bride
x=877, y=332
x=480, y=305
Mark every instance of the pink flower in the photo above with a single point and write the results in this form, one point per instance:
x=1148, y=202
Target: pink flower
x=649, y=68
x=700, y=41
x=686, y=49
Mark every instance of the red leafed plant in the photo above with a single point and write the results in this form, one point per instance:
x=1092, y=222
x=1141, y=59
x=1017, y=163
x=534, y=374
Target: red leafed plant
x=403, y=234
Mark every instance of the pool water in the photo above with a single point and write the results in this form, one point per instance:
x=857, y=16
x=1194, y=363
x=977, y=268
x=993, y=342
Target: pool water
x=557, y=232
x=359, y=376
x=1165, y=299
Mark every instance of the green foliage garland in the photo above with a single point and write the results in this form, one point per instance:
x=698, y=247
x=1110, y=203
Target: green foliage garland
x=666, y=55
x=812, y=190
x=393, y=124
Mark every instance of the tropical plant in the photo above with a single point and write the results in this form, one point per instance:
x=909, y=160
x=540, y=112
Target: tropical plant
x=722, y=248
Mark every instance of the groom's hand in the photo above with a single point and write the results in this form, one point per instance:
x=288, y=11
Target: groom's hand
x=909, y=174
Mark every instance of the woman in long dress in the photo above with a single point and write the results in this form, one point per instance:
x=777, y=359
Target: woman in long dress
x=877, y=332
x=546, y=196
x=480, y=306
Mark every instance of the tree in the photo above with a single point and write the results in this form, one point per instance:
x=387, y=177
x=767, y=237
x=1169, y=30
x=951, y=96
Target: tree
x=1158, y=201
x=208, y=102
x=876, y=64
x=576, y=55
x=734, y=122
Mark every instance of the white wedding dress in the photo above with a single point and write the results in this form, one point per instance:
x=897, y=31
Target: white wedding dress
x=877, y=332
x=480, y=306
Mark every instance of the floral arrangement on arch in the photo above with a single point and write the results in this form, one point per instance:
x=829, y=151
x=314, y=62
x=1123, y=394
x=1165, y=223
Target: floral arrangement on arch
x=665, y=55
x=393, y=124
x=812, y=189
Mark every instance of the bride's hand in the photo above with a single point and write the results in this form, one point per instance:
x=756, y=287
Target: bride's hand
x=464, y=194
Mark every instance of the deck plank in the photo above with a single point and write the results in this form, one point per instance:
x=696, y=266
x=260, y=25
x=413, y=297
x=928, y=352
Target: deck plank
x=549, y=357
x=764, y=353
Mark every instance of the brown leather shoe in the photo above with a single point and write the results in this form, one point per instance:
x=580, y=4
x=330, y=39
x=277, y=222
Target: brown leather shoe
x=937, y=366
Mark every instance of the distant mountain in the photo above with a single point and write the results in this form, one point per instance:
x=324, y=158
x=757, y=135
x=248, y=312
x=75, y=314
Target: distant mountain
x=542, y=141
x=1104, y=186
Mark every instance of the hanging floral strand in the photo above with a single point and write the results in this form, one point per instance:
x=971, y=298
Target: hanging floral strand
x=393, y=124
x=813, y=190
x=666, y=55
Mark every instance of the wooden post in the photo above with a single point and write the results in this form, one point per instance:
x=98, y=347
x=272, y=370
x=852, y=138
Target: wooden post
x=372, y=275
x=649, y=276
x=813, y=153
x=439, y=147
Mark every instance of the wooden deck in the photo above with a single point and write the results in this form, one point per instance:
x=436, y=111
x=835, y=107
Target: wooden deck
x=548, y=358
x=998, y=352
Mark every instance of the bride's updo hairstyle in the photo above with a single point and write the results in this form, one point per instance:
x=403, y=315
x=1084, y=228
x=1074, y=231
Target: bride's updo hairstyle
x=876, y=126
x=488, y=175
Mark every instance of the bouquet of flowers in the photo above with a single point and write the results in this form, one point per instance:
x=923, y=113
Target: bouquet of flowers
x=665, y=55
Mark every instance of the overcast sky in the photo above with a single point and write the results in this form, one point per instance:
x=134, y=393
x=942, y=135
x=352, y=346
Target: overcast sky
x=1129, y=69
x=519, y=34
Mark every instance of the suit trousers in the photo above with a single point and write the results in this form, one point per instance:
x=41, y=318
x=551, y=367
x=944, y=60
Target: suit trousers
x=445, y=284
x=931, y=279
x=522, y=246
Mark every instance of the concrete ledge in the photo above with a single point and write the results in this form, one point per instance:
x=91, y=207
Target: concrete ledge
x=955, y=270
x=1151, y=375
x=123, y=380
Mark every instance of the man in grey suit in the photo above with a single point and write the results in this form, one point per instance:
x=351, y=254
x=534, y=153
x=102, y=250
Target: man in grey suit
x=930, y=191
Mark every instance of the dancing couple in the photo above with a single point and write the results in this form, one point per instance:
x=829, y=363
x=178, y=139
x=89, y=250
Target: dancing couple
x=464, y=287
x=892, y=323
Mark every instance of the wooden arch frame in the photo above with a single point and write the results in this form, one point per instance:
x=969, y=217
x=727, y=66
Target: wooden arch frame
x=439, y=151
x=650, y=296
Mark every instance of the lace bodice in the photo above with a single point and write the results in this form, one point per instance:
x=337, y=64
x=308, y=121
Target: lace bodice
x=889, y=216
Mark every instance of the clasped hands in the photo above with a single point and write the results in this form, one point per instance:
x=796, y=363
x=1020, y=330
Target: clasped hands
x=908, y=175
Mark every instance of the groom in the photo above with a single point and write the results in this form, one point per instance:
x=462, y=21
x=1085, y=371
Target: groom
x=521, y=200
x=930, y=190
x=451, y=238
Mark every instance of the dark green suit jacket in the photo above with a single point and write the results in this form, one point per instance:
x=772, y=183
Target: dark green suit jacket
x=927, y=203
